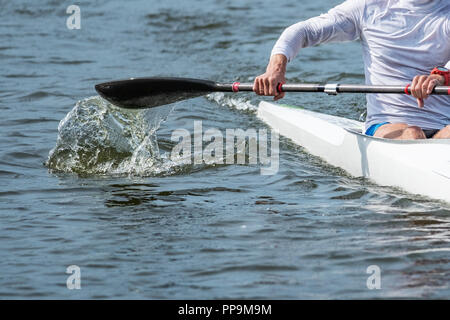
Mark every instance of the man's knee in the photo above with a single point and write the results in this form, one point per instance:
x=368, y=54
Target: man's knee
x=444, y=133
x=413, y=132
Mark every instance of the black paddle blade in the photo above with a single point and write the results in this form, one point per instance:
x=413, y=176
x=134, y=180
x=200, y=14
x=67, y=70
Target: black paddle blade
x=152, y=92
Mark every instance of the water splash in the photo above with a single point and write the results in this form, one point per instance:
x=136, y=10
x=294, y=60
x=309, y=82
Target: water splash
x=96, y=137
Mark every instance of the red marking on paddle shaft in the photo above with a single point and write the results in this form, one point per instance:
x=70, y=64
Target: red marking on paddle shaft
x=406, y=89
x=280, y=87
x=235, y=86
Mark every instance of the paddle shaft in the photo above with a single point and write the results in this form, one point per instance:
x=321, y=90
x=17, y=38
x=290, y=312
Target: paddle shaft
x=152, y=92
x=331, y=88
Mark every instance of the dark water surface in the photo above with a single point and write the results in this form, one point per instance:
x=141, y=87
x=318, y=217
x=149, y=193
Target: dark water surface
x=140, y=225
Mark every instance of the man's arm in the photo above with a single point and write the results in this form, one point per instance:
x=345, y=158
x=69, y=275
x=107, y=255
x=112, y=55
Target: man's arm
x=341, y=23
x=423, y=85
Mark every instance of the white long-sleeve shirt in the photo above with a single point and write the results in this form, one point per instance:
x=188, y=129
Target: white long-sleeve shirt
x=400, y=39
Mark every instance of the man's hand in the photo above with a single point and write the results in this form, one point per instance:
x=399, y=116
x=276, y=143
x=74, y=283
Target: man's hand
x=422, y=86
x=266, y=84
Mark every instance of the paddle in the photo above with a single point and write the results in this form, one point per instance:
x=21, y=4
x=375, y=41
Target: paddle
x=152, y=92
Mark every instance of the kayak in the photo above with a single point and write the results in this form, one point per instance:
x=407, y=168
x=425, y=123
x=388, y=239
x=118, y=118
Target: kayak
x=416, y=166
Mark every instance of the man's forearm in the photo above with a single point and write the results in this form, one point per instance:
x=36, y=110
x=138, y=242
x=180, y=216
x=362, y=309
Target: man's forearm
x=277, y=63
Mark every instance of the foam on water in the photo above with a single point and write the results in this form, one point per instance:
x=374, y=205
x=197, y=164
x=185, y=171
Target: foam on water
x=96, y=137
x=228, y=100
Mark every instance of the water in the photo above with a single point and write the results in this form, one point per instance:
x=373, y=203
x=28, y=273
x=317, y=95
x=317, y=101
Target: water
x=99, y=192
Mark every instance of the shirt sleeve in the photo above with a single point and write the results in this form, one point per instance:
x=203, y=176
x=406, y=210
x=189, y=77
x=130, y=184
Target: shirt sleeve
x=342, y=23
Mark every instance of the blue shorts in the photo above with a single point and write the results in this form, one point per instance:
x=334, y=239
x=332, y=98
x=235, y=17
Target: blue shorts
x=374, y=127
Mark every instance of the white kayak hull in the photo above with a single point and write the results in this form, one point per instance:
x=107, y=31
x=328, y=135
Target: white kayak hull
x=417, y=166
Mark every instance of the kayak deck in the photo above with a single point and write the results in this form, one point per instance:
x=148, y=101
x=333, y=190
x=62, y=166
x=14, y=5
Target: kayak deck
x=417, y=166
